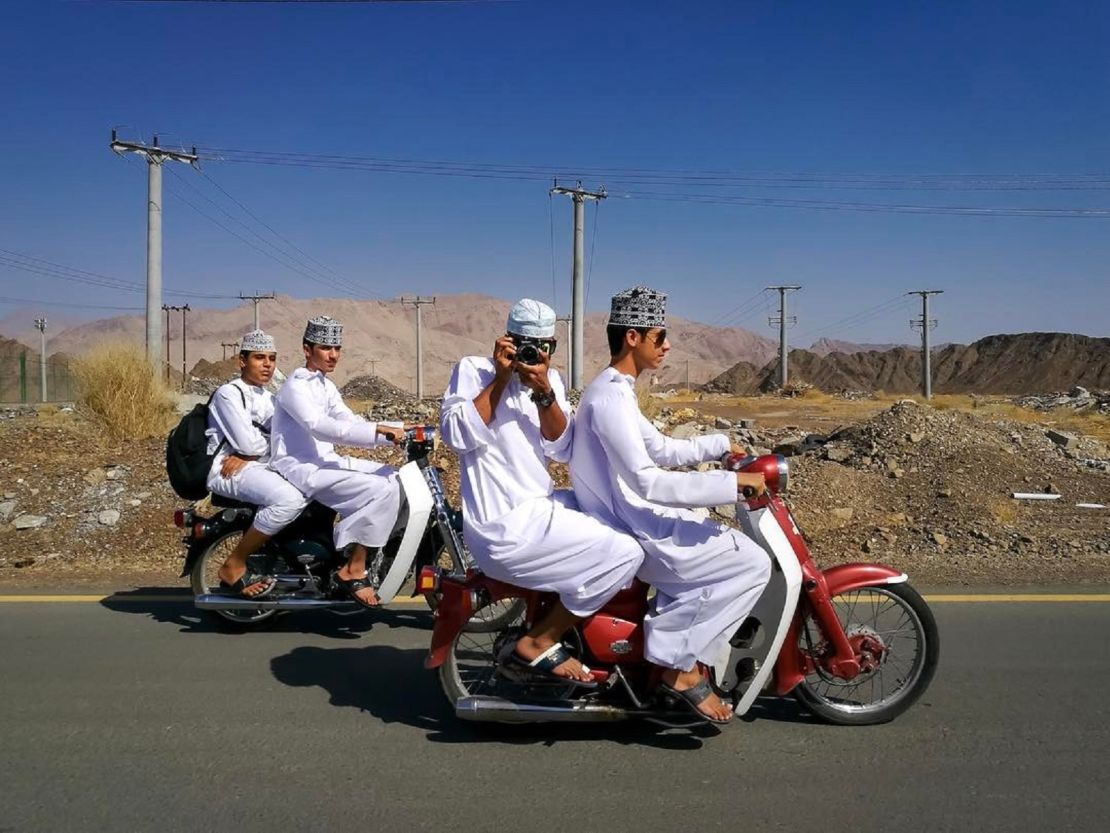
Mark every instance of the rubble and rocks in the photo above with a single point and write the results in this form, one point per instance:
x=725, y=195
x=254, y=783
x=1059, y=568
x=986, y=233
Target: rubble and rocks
x=29, y=521
x=1076, y=399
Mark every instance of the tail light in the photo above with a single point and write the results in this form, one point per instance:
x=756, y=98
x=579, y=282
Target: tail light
x=200, y=529
x=179, y=518
x=428, y=580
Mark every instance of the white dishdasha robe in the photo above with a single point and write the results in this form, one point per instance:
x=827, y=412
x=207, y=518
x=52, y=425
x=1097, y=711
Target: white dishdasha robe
x=707, y=576
x=517, y=526
x=309, y=418
x=239, y=417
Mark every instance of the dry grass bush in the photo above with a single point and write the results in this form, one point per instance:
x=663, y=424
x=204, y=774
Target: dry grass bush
x=117, y=386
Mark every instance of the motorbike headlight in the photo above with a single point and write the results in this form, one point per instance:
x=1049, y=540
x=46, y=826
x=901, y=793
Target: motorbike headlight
x=784, y=472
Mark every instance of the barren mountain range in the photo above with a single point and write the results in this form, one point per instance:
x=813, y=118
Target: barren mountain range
x=1025, y=363
x=380, y=338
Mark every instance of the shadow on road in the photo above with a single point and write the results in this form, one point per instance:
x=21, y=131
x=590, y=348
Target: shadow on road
x=393, y=685
x=171, y=606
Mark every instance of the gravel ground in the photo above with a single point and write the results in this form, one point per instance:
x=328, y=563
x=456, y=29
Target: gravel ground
x=924, y=490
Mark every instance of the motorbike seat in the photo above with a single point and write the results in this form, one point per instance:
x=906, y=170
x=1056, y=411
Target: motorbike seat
x=230, y=503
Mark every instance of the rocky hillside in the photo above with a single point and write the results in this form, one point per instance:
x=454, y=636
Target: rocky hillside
x=1007, y=364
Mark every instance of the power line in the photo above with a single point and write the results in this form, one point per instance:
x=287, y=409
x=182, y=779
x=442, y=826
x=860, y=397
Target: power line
x=40, y=302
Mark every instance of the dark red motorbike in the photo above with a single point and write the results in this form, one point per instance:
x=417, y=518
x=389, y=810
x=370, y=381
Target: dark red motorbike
x=854, y=643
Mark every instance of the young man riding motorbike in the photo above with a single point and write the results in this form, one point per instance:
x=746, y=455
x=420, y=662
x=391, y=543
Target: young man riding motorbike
x=505, y=416
x=238, y=432
x=707, y=576
x=309, y=416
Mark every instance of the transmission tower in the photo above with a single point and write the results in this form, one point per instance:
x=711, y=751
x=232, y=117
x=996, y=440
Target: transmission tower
x=418, y=301
x=783, y=320
x=154, y=156
x=579, y=196
x=268, y=296
x=925, y=324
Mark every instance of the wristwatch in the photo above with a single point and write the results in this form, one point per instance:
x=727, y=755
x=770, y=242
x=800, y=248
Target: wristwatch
x=543, y=400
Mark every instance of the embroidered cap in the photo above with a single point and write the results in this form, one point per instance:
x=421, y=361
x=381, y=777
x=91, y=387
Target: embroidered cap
x=257, y=341
x=639, y=306
x=531, y=319
x=325, y=331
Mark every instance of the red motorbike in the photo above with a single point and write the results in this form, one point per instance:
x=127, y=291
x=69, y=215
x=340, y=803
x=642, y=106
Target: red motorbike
x=854, y=643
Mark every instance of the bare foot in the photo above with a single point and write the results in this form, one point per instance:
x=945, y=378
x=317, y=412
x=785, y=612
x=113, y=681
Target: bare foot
x=230, y=576
x=528, y=648
x=712, y=706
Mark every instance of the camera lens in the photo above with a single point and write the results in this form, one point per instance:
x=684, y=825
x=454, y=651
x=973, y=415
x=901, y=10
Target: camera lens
x=528, y=354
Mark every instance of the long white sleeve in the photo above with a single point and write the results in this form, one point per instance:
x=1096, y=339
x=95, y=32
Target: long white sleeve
x=667, y=451
x=296, y=400
x=615, y=420
x=460, y=424
x=232, y=419
x=559, y=448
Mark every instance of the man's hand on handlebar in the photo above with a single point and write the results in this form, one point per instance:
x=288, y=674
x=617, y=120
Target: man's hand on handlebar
x=751, y=484
x=396, y=433
x=735, y=448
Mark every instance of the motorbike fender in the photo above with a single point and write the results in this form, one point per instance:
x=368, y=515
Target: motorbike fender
x=197, y=547
x=451, y=615
x=420, y=505
x=843, y=578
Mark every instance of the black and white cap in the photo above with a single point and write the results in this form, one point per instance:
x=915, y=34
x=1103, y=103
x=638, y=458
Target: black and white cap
x=639, y=306
x=325, y=331
x=257, y=341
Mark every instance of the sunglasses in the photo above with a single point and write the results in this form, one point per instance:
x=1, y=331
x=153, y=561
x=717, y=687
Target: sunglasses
x=658, y=338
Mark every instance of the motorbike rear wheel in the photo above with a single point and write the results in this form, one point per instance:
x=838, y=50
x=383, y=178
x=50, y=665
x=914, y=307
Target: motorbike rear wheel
x=488, y=618
x=471, y=665
x=204, y=578
x=895, y=625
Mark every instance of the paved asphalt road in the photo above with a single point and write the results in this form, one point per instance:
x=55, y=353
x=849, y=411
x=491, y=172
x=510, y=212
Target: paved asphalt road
x=129, y=716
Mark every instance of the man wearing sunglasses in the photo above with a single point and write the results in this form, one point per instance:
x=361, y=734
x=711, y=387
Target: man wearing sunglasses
x=506, y=416
x=707, y=576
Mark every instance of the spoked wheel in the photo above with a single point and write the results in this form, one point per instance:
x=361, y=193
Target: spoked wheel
x=471, y=666
x=205, y=578
x=895, y=637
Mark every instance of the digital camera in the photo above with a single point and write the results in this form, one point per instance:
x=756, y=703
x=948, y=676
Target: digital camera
x=528, y=350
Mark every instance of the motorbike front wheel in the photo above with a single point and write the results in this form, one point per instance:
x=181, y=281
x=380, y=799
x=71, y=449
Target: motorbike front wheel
x=204, y=578
x=894, y=629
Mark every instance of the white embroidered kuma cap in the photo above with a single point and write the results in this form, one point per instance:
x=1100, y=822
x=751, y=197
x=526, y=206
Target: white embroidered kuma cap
x=257, y=341
x=325, y=331
x=531, y=319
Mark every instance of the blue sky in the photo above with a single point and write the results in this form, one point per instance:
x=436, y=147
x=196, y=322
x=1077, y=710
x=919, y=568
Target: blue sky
x=860, y=90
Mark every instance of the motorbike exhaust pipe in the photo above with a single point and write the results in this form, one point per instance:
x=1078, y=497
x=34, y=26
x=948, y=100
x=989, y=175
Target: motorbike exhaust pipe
x=216, y=601
x=501, y=710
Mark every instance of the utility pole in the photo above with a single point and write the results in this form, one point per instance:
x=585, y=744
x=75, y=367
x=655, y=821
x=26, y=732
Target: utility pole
x=154, y=156
x=183, y=310
x=373, y=367
x=687, y=375
x=782, y=320
x=40, y=325
x=228, y=344
x=578, y=297
x=926, y=324
x=418, y=301
x=566, y=319
x=268, y=296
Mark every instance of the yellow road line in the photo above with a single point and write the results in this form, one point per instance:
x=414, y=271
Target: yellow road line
x=962, y=598
x=125, y=599
x=1019, y=597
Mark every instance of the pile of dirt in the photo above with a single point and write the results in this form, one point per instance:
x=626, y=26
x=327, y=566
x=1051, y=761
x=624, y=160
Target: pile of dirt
x=374, y=389
x=1025, y=363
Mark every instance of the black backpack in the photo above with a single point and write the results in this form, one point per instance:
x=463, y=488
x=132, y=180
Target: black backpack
x=187, y=459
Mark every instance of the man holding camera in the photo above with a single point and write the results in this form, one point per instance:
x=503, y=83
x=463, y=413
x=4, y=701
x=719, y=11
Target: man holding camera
x=505, y=417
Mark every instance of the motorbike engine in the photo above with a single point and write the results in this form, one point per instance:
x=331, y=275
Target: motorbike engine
x=308, y=552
